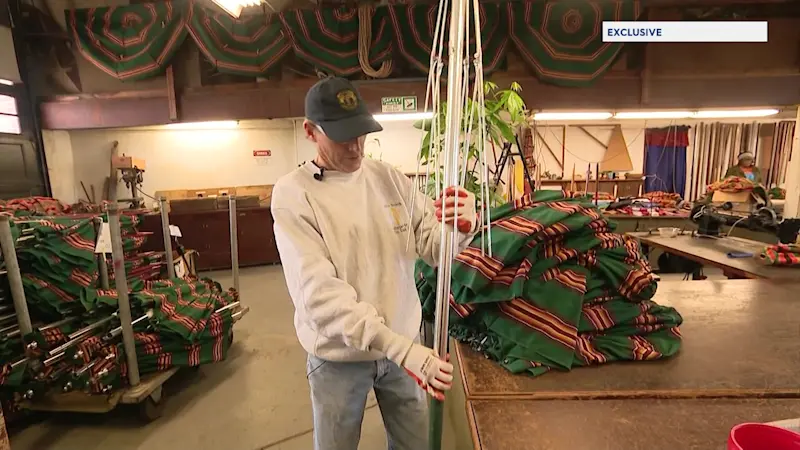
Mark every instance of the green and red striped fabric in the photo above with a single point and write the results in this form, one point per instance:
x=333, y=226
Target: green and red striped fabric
x=414, y=27
x=328, y=38
x=130, y=42
x=781, y=255
x=562, y=41
x=249, y=46
x=561, y=290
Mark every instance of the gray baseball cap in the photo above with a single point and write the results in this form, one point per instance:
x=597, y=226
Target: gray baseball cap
x=336, y=106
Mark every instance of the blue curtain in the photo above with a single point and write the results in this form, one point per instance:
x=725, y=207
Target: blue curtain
x=665, y=159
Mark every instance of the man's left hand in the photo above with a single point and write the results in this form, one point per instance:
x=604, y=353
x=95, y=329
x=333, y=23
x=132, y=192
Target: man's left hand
x=467, y=219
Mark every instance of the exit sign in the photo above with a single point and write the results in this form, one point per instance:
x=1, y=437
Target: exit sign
x=262, y=153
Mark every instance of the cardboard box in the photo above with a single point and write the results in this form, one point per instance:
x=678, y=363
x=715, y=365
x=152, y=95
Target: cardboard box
x=127, y=162
x=742, y=202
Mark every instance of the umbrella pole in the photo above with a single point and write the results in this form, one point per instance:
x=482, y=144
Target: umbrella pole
x=454, y=111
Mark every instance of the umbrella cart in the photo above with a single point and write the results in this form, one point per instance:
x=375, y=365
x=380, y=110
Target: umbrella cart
x=79, y=334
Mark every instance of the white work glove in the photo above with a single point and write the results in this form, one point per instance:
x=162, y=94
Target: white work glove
x=431, y=373
x=467, y=220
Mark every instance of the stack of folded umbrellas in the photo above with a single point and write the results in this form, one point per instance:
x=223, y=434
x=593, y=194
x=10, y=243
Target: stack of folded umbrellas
x=560, y=290
x=76, y=342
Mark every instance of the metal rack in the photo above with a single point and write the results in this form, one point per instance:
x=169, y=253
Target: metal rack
x=143, y=391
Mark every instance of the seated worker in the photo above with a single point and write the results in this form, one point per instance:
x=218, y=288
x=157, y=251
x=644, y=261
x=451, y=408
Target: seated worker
x=745, y=169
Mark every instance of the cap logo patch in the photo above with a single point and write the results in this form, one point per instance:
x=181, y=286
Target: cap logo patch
x=347, y=99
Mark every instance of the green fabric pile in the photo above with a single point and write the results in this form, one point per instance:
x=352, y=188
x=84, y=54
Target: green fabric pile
x=61, y=281
x=561, y=290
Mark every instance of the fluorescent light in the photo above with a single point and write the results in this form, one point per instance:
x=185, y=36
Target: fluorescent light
x=6, y=82
x=399, y=117
x=572, y=116
x=734, y=113
x=653, y=115
x=235, y=7
x=222, y=125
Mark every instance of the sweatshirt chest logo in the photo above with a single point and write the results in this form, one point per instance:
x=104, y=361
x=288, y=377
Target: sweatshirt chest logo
x=396, y=213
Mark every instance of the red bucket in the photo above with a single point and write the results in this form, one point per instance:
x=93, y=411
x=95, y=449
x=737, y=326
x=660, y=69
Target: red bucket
x=758, y=436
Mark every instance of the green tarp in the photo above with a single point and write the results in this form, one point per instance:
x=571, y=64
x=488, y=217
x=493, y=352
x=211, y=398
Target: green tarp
x=560, y=290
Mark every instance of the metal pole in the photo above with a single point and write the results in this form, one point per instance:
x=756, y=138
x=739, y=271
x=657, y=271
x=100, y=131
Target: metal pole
x=792, y=207
x=128, y=342
x=234, y=242
x=167, y=237
x=14, y=276
x=102, y=263
x=454, y=111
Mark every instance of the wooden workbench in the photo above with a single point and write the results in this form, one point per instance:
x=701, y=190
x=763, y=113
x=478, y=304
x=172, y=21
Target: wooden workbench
x=736, y=365
x=629, y=224
x=713, y=252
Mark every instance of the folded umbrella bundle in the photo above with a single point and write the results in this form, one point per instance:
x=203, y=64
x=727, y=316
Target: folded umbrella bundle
x=560, y=290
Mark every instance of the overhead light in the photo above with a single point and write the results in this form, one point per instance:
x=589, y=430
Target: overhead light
x=653, y=115
x=235, y=7
x=222, y=125
x=399, y=117
x=735, y=113
x=6, y=82
x=572, y=116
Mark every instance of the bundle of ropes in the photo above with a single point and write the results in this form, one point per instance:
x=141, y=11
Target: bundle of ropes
x=560, y=290
x=76, y=338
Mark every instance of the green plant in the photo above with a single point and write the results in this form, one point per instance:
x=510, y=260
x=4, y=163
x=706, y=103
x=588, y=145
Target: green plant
x=504, y=111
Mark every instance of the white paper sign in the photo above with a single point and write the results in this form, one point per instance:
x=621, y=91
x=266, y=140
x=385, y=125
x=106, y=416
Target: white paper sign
x=262, y=157
x=104, y=239
x=174, y=230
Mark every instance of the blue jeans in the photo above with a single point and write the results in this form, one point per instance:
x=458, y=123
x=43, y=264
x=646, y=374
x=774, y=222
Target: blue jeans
x=339, y=395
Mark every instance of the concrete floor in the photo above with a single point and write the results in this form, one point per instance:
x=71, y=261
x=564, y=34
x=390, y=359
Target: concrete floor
x=257, y=399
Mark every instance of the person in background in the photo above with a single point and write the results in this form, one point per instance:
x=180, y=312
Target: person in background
x=745, y=168
x=342, y=225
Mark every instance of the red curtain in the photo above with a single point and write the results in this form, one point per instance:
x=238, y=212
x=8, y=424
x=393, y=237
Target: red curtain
x=667, y=137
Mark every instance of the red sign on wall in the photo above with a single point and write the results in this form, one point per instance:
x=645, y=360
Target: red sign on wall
x=262, y=152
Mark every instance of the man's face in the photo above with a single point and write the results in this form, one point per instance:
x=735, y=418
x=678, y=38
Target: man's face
x=746, y=162
x=339, y=156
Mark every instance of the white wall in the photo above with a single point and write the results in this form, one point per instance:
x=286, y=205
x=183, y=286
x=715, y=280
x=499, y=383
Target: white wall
x=581, y=150
x=192, y=159
x=60, y=165
x=187, y=159
x=179, y=159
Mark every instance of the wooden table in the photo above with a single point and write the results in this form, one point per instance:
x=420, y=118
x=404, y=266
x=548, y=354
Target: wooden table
x=700, y=424
x=713, y=252
x=738, y=363
x=629, y=224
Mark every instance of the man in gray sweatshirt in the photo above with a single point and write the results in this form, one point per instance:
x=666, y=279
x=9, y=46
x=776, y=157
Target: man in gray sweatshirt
x=341, y=226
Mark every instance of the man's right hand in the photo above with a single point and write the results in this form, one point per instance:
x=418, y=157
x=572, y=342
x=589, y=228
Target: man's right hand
x=433, y=374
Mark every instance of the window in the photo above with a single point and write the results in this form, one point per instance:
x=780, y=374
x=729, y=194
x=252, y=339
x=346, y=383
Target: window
x=9, y=121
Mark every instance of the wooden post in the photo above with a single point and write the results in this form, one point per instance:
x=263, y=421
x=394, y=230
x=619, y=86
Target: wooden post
x=171, y=98
x=645, y=76
x=792, y=207
x=563, y=150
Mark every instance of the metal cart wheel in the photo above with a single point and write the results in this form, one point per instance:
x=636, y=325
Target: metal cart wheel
x=150, y=409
